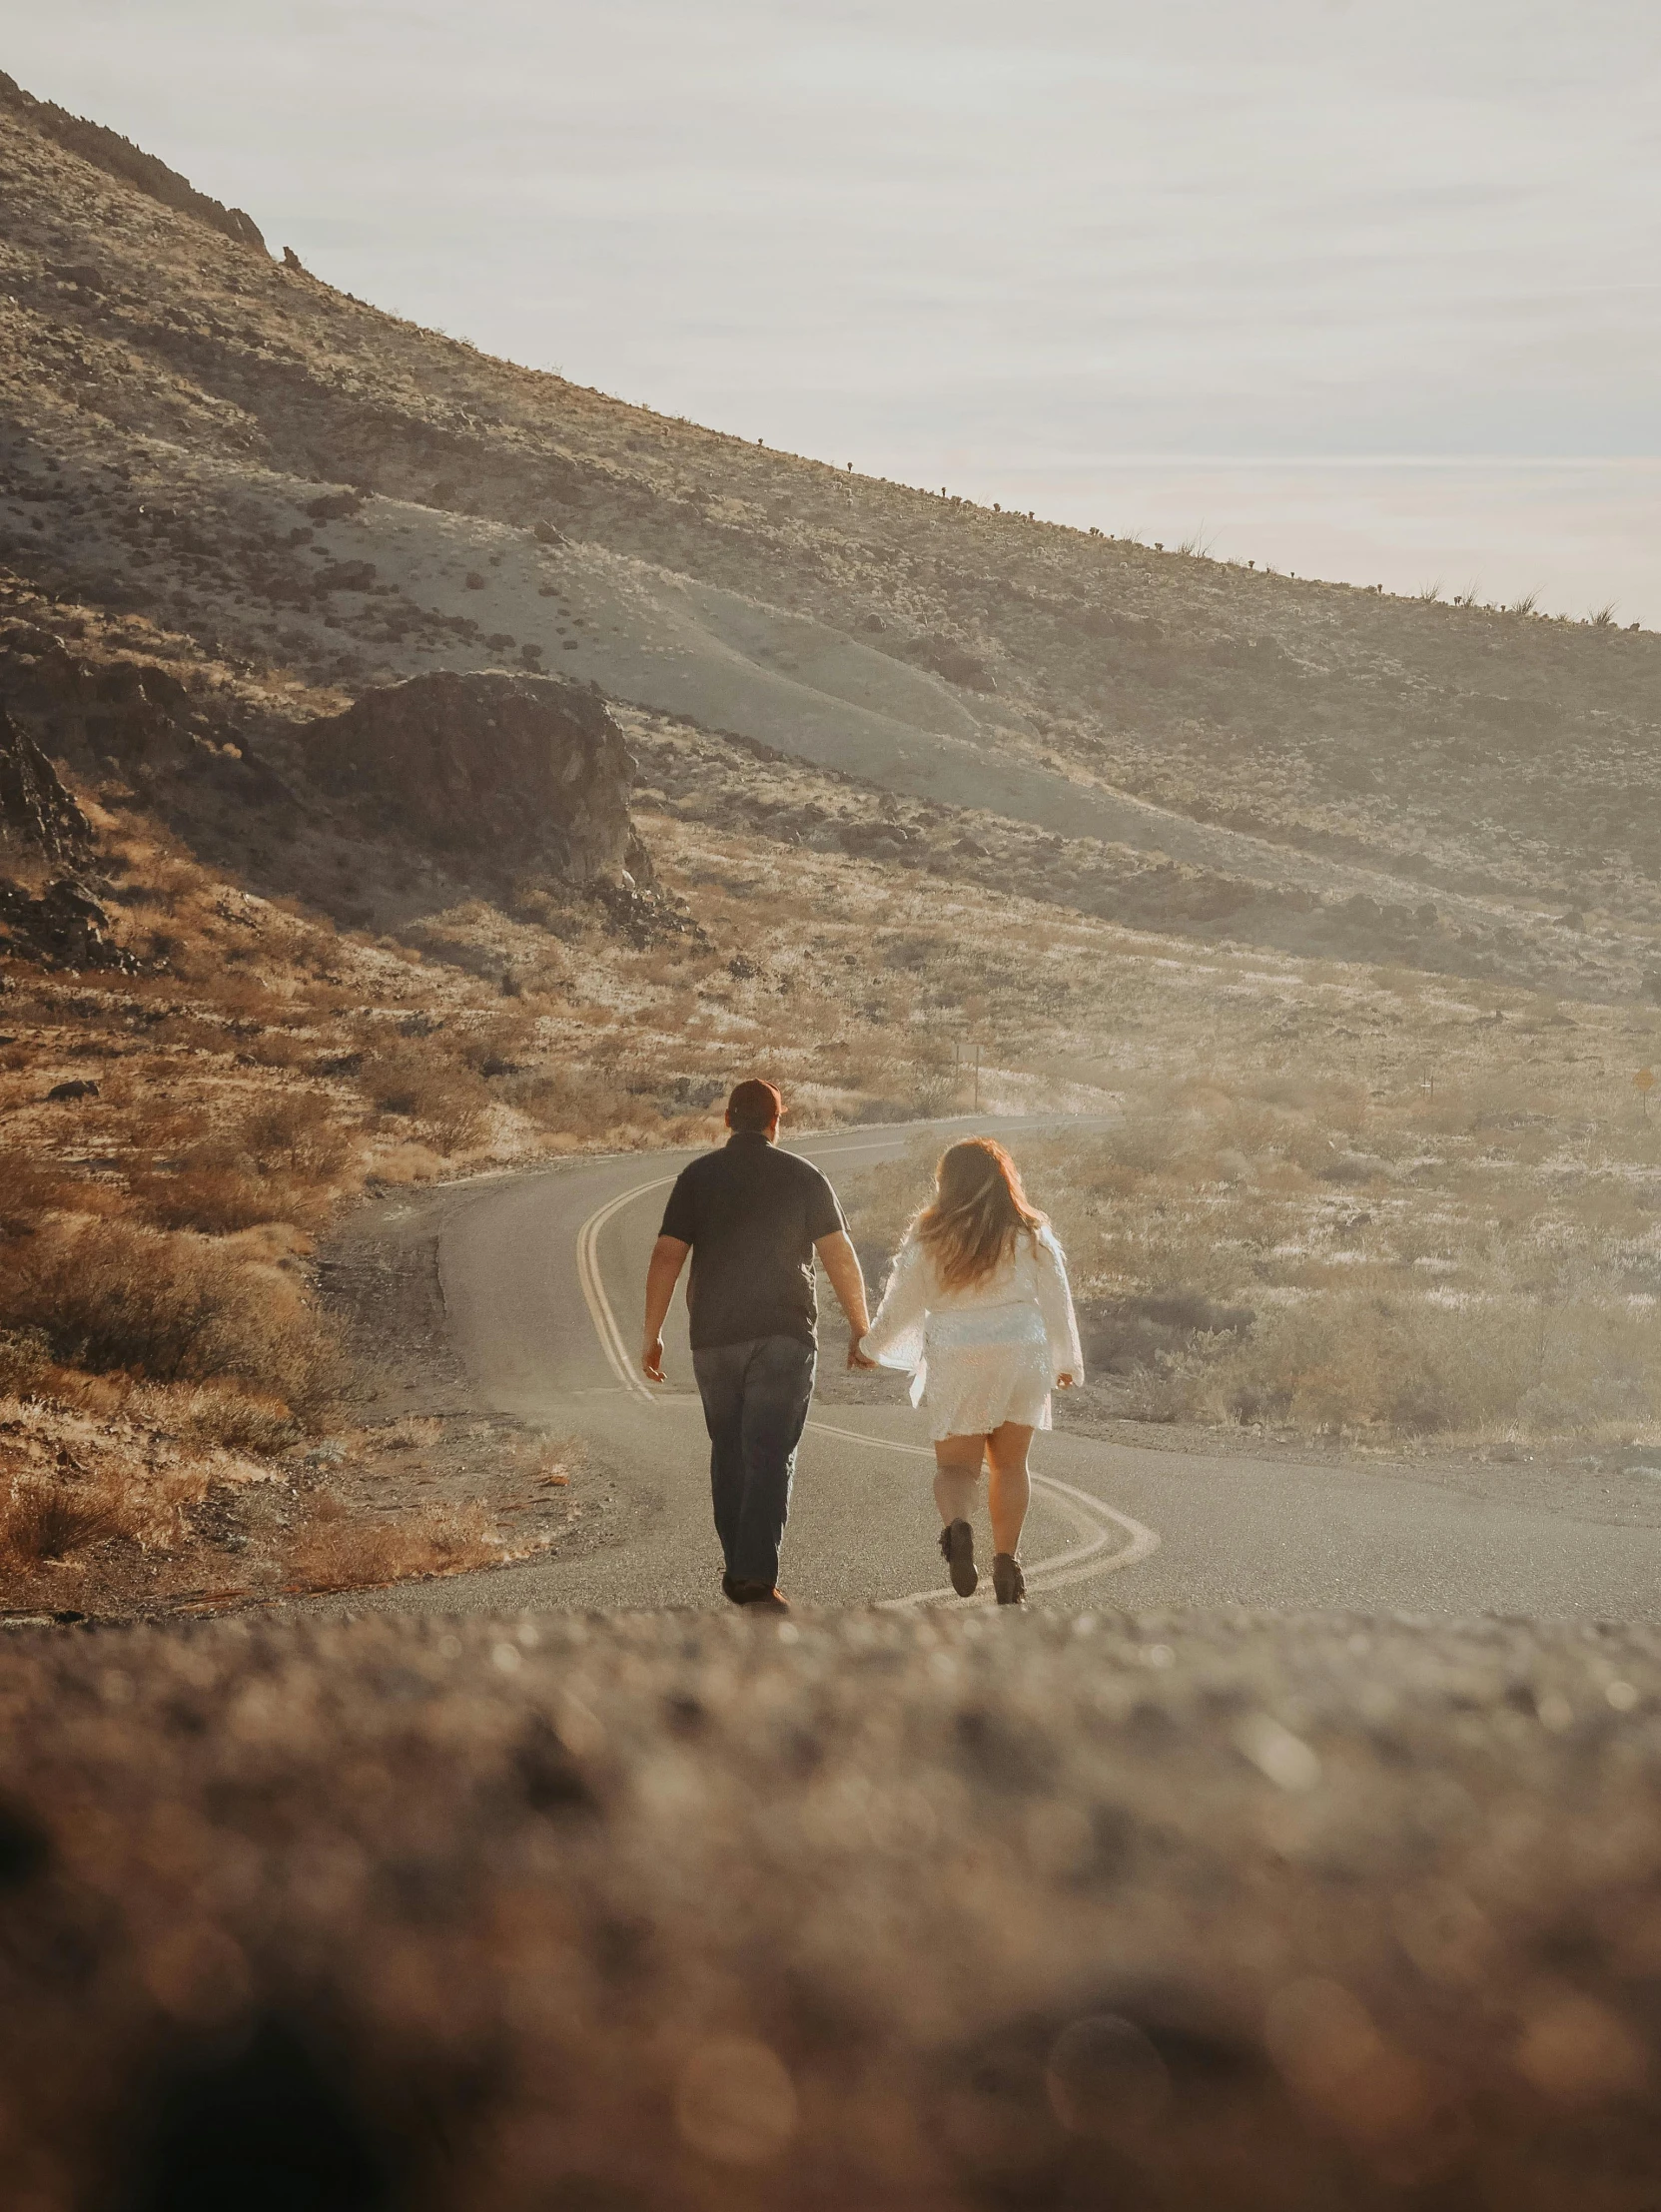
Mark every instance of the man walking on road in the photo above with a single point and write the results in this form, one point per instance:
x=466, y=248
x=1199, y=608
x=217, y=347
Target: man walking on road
x=752, y=1218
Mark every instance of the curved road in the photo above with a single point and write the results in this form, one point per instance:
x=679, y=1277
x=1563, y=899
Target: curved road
x=542, y=1277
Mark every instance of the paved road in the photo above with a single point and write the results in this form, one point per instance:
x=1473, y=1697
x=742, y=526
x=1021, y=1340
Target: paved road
x=543, y=1277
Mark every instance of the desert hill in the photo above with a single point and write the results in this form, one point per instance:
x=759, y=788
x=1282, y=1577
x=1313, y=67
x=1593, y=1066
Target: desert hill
x=411, y=765
x=224, y=441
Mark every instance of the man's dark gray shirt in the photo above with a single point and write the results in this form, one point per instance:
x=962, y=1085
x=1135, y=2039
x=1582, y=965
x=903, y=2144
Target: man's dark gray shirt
x=752, y=1216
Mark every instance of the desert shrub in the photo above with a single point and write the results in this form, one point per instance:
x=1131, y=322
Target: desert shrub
x=44, y=1519
x=218, y=1202
x=1416, y=1366
x=29, y=1187
x=581, y=1100
x=405, y=1163
x=1123, y=1334
x=166, y=1125
x=495, y=1048
x=334, y=1551
x=297, y=1133
x=115, y=1297
x=274, y=1162
x=26, y=1364
x=450, y=1101
x=275, y=1049
x=239, y=1419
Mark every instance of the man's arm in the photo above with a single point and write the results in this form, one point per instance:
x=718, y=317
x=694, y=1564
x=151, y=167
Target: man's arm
x=668, y=1257
x=841, y=1262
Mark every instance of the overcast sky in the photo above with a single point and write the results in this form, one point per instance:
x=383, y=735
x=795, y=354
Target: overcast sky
x=1366, y=289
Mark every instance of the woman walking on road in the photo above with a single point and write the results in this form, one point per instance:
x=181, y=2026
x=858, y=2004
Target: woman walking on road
x=978, y=1308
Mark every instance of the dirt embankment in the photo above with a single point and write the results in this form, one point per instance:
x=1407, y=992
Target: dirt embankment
x=1174, y=1912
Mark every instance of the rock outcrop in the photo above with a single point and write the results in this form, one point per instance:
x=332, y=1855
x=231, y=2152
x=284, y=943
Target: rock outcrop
x=119, y=157
x=50, y=915
x=38, y=812
x=120, y=715
x=65, y=927
x=97, y=714
x=524, y=773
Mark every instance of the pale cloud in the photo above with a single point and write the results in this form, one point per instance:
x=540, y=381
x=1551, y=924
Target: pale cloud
x=962, y=242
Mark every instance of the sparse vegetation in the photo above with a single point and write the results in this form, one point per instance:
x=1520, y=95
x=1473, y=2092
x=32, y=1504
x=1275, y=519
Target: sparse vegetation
x=340, y=1551
x=1481, y=1261
x=110, y=1296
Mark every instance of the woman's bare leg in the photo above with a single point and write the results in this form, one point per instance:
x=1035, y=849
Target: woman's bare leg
x=1010, y=1491
x=957, y=1476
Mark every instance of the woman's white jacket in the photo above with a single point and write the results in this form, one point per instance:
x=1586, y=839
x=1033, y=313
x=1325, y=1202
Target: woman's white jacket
x=1025, y=1301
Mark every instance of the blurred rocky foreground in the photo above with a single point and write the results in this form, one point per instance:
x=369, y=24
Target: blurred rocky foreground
x=855, y=1911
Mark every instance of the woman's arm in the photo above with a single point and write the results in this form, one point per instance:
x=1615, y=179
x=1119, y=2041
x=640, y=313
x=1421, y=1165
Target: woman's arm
x=1060, y=1323
x=895, y=1338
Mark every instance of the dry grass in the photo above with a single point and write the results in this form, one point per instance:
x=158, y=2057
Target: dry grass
x=43, y=1520
x=103, y=1486
x=114, y=1297
x=338, y=1551
x=410, y=1081
x=1481, y=1261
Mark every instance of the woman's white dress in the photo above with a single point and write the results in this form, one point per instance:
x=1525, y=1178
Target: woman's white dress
x=986, y=1355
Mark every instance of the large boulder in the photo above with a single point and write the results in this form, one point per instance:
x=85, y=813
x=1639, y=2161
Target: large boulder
x=522, y=772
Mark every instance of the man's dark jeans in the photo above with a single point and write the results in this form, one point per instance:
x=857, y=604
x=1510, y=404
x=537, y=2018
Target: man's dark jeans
x=755, y=1400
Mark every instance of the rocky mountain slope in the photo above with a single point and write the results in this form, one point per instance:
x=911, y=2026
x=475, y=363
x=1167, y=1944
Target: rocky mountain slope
x=220, y=439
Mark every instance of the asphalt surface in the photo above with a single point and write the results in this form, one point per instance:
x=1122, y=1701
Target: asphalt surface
x=542, y=1277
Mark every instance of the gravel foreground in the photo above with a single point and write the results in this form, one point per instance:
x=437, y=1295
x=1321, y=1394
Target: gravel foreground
x=612, y=1915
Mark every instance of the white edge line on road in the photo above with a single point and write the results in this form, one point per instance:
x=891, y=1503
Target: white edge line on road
x=1086, y=1513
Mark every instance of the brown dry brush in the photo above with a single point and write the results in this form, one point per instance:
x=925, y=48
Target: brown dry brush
x=99, y=1475
x=1295, y=1252
x=335, y=1551
x=113, y=1296
x=142, y=1366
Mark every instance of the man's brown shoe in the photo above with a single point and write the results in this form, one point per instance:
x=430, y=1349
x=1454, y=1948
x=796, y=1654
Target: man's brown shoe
x=1008, y=1581
x=957, y=1548
x=761, y=1594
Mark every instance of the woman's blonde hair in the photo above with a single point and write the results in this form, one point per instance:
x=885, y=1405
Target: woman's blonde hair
x=979, y=1210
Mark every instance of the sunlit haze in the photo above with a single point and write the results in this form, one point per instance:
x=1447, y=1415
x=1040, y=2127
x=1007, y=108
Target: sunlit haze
x=1359, y=292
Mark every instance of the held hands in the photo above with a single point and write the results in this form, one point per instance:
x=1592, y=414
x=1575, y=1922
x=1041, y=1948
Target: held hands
x=1067, y=1381
x=651, y=1360
x=857, y=1358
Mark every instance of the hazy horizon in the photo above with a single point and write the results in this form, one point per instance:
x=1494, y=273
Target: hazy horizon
x=1357, y=298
